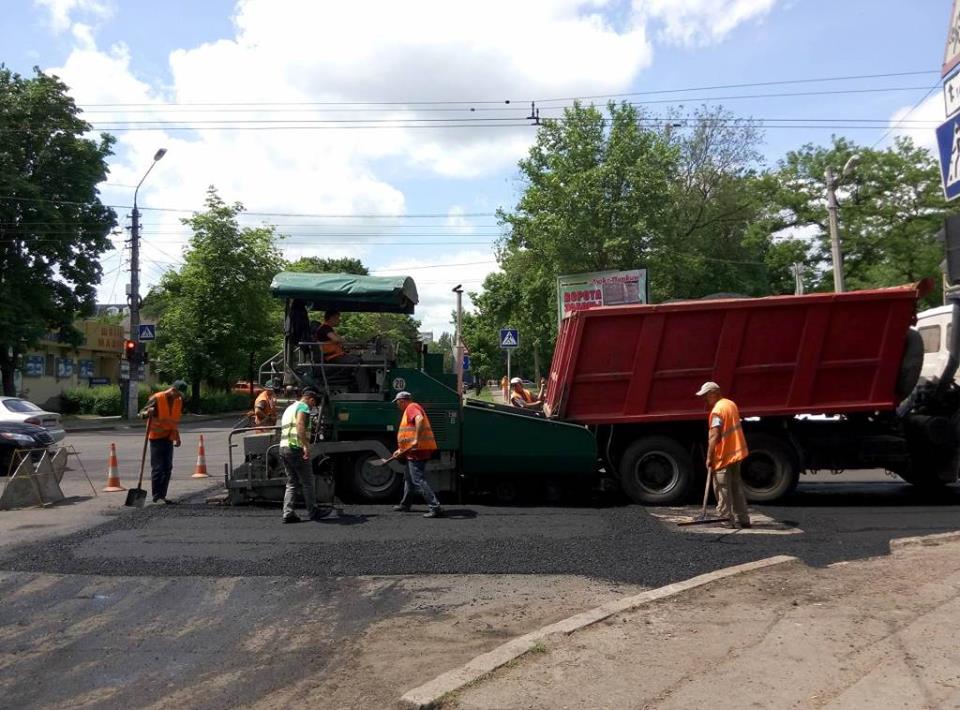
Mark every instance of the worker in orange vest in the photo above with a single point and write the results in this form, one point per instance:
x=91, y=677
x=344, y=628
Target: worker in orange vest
x=416, y=445
x=521, y=397
x=265, y=406
x=331, y=345
x=505, y=389
x=726, y=449
x=164, y=410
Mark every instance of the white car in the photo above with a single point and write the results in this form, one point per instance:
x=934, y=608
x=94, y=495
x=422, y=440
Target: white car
x=935, y=328
x=14, y=409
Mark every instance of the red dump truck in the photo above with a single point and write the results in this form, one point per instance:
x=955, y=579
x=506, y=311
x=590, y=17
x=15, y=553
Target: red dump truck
x=823, y=381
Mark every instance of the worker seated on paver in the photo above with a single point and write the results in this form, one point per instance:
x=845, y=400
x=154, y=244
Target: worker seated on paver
x=331, y=344
x=522, y=398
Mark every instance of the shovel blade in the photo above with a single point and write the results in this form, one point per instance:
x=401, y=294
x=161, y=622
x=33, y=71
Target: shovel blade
x=136, y=497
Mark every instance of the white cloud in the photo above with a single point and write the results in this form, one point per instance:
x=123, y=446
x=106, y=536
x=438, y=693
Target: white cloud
x=61, y=12
x=305, y=52
x=919, y=124
x=435, y=279
x=701, y=22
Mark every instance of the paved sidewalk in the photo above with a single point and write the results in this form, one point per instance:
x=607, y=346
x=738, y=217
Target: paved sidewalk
x=868, y=634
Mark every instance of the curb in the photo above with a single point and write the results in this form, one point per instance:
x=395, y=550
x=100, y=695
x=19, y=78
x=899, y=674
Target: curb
x=928, y=540
x=139, y=424
x=430, y=694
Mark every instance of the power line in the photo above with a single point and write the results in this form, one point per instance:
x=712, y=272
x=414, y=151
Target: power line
x=914, y=108
x=441, y=215
x=506, y=102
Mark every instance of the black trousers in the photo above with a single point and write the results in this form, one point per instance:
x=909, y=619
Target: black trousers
x=161, y=466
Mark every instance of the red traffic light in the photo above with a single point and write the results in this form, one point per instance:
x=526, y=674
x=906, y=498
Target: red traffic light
x=129, y=348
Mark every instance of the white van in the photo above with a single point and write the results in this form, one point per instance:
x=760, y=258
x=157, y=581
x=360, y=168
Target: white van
x=934, y=325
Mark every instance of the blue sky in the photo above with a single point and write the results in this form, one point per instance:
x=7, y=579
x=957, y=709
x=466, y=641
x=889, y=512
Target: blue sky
x=168, y=57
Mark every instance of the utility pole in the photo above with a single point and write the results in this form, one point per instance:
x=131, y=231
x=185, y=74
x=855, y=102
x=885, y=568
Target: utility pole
x=132, y=408
x=833, y=183
x=458, y=343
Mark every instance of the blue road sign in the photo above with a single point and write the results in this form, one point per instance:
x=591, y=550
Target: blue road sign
x=948, y=140
x=466, y=363
x=147, y=331
x=509, y=338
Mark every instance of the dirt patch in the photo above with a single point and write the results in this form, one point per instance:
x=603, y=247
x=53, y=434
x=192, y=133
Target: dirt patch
x=873, y=633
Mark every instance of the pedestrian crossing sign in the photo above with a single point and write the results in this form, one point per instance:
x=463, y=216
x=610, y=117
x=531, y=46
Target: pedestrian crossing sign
x=509, y=338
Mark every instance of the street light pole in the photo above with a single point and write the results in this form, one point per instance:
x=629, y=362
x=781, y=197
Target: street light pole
x=132, y=407
x=832, y=184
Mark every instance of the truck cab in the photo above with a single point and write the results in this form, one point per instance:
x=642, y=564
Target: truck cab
x=934, y=326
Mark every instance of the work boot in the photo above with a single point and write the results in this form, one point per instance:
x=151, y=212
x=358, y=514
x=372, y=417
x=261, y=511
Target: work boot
x=320, y=514
x=434, y=513
x=402, y=508
x=287, y=519
x=745, y=523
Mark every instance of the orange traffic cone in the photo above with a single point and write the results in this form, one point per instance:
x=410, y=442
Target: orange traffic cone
x=201, y=469
x=113, y=472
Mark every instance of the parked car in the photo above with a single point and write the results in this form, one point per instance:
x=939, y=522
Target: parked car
x=243, y=387
x=14, y=409
x=18, y=435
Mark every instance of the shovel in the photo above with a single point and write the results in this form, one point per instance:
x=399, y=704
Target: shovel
x=136, y=497
x=702, y=519
x=382, y=462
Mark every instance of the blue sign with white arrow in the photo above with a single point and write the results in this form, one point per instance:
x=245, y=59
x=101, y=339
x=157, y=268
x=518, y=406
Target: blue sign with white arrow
x=948, y=141
x=147, y=331
x=509, y=338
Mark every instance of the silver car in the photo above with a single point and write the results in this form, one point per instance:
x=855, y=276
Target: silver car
x=14, y=409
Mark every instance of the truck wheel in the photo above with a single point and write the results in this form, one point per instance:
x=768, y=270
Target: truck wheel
x=772, y=469
x=375, y=484
x=657, y=470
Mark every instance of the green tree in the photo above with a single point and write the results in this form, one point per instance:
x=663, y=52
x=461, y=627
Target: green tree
x=217, y=309
x=53, y=227
x=319, y=265
x=618, y=190
x=890, y=210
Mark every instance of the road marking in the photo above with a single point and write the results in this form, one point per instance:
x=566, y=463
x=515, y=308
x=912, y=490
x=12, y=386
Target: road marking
x=761, y=524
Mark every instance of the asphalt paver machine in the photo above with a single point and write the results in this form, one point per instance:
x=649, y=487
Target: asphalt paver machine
x=356, y=421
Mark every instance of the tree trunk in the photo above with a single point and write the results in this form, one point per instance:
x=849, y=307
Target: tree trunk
x=7, y=368
x=195, y=396
x=536, y=364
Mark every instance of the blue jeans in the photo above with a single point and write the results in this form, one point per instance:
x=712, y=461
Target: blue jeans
x=161, y=466
x=414, y=480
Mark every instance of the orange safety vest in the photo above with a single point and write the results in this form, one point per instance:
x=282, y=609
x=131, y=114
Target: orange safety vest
x=330, y=349
x=269, y=409
x=163, y=424
x=525, y=393
x=732, y=445
x=407, y=434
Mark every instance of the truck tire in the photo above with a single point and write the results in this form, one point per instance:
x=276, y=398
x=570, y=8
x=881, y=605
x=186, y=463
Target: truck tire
x=373, y=484
x=771, y=471
x=656, y=470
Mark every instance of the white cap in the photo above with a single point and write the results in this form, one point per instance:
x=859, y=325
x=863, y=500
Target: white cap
x=516, y=381
x=403, y=394
x=707, y=387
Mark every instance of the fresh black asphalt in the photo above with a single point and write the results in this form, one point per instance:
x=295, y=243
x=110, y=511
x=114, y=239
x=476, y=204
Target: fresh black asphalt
x=618, y=542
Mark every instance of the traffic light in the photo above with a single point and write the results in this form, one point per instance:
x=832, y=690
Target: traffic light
x=129, y=350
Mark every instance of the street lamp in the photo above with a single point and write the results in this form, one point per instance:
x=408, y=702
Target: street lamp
x=832, y=183
x=135, y=288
